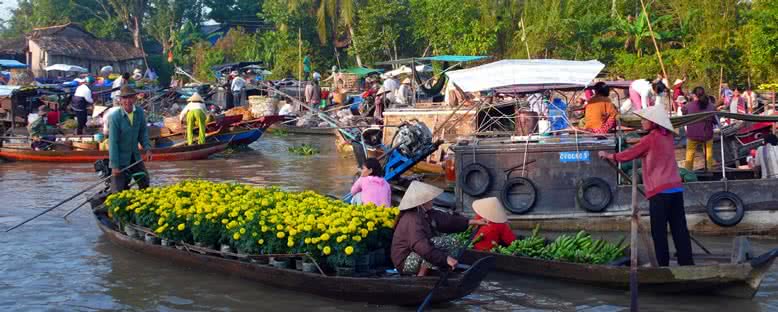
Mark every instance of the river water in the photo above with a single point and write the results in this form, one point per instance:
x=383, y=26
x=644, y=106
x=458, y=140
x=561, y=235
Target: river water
x=56, y=265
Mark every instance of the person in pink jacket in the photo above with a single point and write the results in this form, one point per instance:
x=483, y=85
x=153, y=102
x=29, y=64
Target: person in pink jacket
x=662, y=183
x=371, y=186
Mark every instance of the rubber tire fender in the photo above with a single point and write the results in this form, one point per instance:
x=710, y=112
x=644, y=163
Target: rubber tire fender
x=715, y=199
x=505, y=194
x=479, y=189
x=588, y=183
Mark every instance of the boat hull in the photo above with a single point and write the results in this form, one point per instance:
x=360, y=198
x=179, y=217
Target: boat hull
x=740, y=280
x=194, y=152
x=386, y=290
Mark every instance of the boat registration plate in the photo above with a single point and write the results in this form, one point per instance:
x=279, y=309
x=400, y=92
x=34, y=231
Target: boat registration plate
x=579, y=156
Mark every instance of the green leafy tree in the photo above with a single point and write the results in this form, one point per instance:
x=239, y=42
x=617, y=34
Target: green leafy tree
x=383, y=30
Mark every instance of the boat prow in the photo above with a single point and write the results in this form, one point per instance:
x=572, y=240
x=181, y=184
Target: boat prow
x=394, y=290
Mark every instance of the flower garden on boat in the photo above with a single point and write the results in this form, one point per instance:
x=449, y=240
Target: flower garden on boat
x=256, y=220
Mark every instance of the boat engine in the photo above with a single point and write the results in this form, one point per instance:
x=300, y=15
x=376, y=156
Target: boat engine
x=412, y=137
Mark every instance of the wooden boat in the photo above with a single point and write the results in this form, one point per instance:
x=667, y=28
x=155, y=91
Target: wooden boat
x=713, y=275
x=233, y=138
x=193, y=152
x=306, y=130
x=405, y=290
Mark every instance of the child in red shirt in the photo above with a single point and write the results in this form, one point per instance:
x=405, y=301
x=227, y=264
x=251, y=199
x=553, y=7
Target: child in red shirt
x=496, y=232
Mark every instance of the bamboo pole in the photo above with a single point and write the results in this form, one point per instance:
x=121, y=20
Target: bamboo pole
x=633, y=242
x=656, y=47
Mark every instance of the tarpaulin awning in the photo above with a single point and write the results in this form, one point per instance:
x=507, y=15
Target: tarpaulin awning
x=66, y=68
x=361, y=71
x=633, y=121
x=453, y=58
x=525, y=72
x=8, y=90
x=406, y=70
x=233, y=66
x=12, y=64
x=525, y=89
x=438, y=58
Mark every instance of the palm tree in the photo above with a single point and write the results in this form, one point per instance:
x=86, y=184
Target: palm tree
x=329, y=15
x=636, y=31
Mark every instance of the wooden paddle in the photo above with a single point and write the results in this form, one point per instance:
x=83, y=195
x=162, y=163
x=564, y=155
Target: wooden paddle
x=71, y=197
x=633, y=242
x=444, y=276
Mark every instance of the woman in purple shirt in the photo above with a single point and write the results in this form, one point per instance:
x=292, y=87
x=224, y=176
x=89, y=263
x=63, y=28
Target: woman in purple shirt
x=699, y=133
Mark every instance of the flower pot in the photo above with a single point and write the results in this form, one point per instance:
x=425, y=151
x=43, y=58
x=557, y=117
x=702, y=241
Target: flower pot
x=130, y=231
x=279, y=263
x=309, y=267
x=225, y=249
x=166, y=243
x=344, y=271
x=262, y=260
x=362, y=264
x=201, y=245
x=151, y=239
x=298, y=264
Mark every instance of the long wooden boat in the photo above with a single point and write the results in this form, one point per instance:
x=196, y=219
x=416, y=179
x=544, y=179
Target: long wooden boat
x=193, y=152
x=306, y=130
x=233, y=138
x=713, y=275
x=395, y=290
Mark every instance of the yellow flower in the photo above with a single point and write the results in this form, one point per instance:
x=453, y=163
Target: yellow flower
x=260, y=241
x=242, y=230
x=349, y=250
x=290, y=244
x=327, y=250
x=236, y=236
x=279, y=227
x=224, y=221
x=181, y=227
x=307, y=240
x=357, y=238
x=280, y=234
x=325, y=237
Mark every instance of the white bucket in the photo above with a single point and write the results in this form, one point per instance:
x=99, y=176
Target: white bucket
x=543, y=126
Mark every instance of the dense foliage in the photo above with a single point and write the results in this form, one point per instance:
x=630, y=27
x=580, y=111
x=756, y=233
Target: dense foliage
x=736, y=41
x=256, y=220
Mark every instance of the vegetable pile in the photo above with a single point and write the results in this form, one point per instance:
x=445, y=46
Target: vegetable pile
x=579, y=248
x=257, y=220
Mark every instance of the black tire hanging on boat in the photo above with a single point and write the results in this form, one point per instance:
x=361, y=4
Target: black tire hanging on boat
x=505, y=195
x=717, y=198
x=585, y=203
x=475, y=190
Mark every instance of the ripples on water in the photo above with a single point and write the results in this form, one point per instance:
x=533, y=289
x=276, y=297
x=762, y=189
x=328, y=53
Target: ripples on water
x=51, y=264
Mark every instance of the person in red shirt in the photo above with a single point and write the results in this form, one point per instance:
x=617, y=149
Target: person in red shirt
x=663, y=186
x=496, y=232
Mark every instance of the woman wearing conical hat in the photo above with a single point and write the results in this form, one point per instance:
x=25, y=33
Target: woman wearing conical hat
x=662, y=183
x=194, y=112
x=496, y=232
x=416, y=245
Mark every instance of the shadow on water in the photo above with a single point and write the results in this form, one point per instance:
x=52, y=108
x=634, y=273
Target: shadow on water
x=51, y=264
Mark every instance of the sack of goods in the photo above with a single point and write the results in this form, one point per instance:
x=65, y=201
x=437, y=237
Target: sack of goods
x=240, y=111
x=262, y=106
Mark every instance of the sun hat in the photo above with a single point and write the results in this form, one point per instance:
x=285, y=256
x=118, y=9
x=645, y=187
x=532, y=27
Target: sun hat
x=407, y=80
x=657, y=115
x=127, y=91
x=44, y=109
x=418, y=193
x=680, y=99
x=98, y=109
x=316, y=76
x=195, y=98
x=491, y=209
x=381, y=90
x=677, y=82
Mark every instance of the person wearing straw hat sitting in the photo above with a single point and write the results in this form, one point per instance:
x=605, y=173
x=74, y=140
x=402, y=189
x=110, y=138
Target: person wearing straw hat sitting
x=663, y=186
x=37, y=130
x=416, y=245
x=127, y=128
x=194, y=111
x=496, y=232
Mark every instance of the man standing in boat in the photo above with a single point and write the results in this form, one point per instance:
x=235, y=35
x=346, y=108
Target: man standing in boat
x=127, y=129
x=663, y=186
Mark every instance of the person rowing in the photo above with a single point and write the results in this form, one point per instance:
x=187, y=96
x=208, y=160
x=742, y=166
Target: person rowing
x=416, y=244
x=127, y=128
x=663, y=186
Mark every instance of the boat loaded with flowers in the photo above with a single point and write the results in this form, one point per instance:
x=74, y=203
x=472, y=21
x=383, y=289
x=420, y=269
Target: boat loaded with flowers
x=296, y=240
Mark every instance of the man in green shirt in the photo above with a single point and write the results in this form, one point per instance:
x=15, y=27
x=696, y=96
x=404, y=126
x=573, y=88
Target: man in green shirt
x=126, y=129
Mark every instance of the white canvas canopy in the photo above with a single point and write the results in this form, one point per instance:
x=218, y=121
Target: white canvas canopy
x=406, y=70
x=66, y=68
x=525, y=72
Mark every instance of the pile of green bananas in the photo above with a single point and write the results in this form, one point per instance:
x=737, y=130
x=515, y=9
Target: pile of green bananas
x=579, y=248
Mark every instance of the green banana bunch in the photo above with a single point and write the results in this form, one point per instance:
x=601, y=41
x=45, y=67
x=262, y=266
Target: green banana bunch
x=579, y=248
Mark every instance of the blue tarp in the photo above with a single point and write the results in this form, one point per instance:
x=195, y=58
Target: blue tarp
x=12, y=64
x=453, y=58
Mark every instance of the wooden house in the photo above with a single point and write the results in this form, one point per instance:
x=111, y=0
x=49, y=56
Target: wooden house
x=71, y=44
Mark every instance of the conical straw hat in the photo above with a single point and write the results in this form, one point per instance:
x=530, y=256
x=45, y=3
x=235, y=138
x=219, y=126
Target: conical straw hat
x=97, y=110
x=195, y=98
x=491, y=209
x=657, y=115
x=418, y=193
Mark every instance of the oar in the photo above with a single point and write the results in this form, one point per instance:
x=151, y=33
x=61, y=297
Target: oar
x=70, y=198
x=444, y=276
x=640, y=190
x=86, y=201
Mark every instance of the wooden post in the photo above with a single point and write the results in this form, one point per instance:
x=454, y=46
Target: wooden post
x=721, y=81
x=633, y=242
